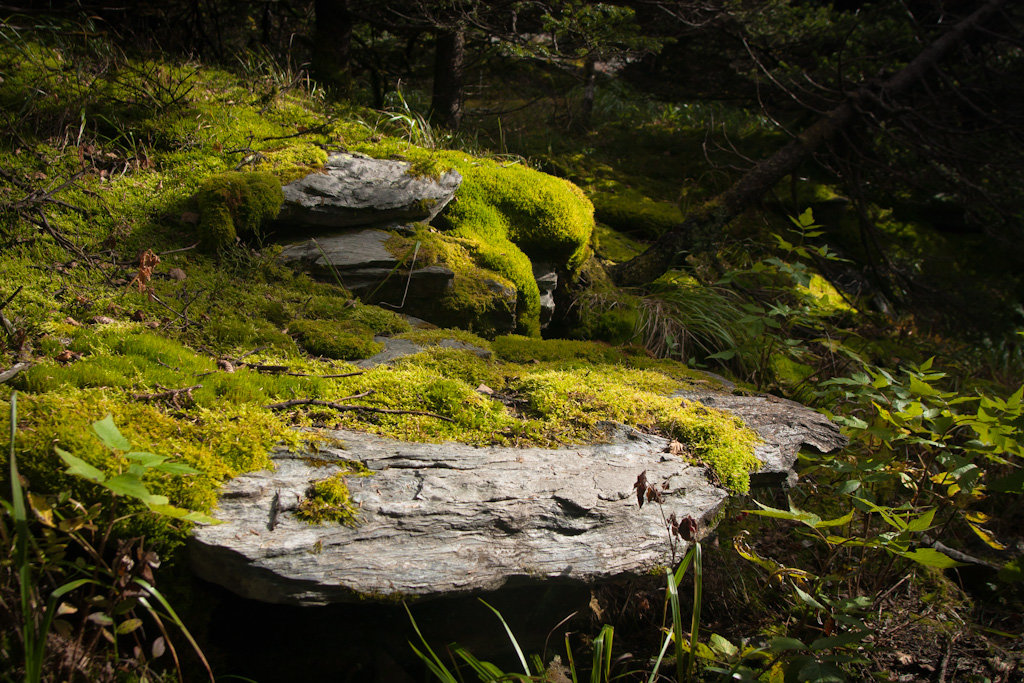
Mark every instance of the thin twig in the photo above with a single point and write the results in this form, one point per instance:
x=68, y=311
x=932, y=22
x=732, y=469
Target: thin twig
x=344, y=407
x=11, y=297
x=306, y=374
x=12, y=371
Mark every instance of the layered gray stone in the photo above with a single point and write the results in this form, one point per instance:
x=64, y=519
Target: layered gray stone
x=440, y=520
x=361, y=260
x=449, y=519
x=354, y=190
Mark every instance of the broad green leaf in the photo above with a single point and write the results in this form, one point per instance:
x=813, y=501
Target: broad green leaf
x=127, y=626
x=722, y=645
x=79, y=467
x=145, y=459
x=109, y=434
x=809, y=599
x=175, y=468
x=808, y=518
x=819, y=672
x=930, y=557
x=129, y=485
x=840, y=640
x=919, y=388
x=777, y=645
x=838, y=521
x=923, y=522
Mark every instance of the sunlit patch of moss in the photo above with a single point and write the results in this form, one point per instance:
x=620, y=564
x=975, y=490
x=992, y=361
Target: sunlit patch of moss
x=235, y=204
x=825, y=298
x=460, y=364
x=328, y=500
x=219, y=442
x=480, y=298
x=630, y=212
x=339, y=340
x=519, y=349
x=378, y=320
x=292, y=162
x=572, y=402
x=436, y=336
x=614, y=245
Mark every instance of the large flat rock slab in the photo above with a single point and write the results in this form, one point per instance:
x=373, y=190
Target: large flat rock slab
x=440, y=520
x=355, y=190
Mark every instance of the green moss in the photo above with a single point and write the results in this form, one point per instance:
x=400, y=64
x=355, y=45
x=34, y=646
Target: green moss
x=436, y=336
x=614, y=245
x=520, y=349
x=378, y=320
x=630, y=212
x=234, y=205
x=328, y=500
x=338, y=340
x=481, y=299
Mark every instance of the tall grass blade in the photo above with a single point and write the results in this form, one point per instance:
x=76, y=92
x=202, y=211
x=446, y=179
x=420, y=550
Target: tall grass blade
x=511, y=637
x=431, y=659
x=698, y=594
x=175, y=618
x=602, y=664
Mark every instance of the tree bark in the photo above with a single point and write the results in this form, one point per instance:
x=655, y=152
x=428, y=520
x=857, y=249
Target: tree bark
x=449, y=63
x=332, y=43
x=701, y=228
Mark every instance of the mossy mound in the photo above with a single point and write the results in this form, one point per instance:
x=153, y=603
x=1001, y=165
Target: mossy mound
x=338, y=340
x=483, y=298
x=630, y=212
x=234, y=205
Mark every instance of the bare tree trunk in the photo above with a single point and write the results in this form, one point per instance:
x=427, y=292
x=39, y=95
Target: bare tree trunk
x=332, y=43
x=701, y=228
x=449, y=62
x=589, y=91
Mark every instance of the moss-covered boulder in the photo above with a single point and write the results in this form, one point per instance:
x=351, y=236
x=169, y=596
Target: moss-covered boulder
x=236, y=204
x=355, y=190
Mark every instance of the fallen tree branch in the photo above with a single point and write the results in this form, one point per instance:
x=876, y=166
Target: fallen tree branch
x=341, y=407
x=10, y=372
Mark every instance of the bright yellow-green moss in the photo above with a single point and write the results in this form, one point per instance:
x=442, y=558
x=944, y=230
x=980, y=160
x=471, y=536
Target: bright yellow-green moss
x=508, y=214
x=339, y=340
x=436, y=336
x=520, y=349
x=825, y=299
x=481, y=297
x=379, y=320
x=328, y=500
x=235, y=204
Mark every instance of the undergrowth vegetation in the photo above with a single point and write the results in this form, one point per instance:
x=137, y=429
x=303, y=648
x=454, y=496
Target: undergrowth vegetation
x=154, y=347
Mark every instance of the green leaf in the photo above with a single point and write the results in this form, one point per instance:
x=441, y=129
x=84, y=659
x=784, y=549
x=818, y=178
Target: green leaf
x=777, y=645
x=808, y=518
x=819, y=672
x=127, y=626
x=838, y=521
x=109, y=434
x=79, y=467
x=722, y=645
x=919, y=388
x=176, y=468
x=129, y=485
x=922, y=523
x=145, y=459
x=841, y=640
x=930, y=557
x=809, y=599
